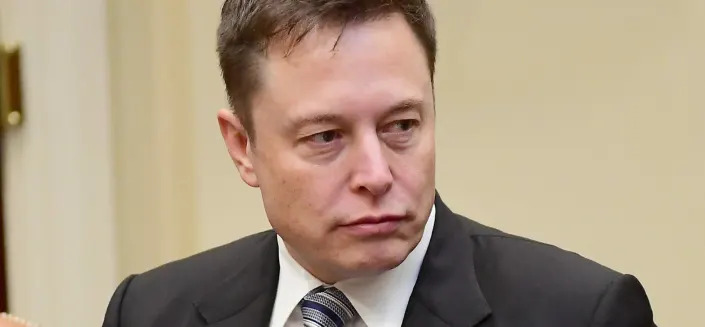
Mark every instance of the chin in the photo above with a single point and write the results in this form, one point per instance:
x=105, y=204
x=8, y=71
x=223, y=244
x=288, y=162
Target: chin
x=378, y=260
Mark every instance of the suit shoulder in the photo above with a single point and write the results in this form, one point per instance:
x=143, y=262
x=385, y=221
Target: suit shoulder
x=529, y=253
x=525, y=270
x=179, y=283
x=209, y=264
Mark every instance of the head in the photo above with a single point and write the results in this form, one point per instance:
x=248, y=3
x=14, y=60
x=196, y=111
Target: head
x=332, y=118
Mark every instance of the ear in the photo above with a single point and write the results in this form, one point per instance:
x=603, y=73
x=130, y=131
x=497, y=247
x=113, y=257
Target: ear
x=239, y=146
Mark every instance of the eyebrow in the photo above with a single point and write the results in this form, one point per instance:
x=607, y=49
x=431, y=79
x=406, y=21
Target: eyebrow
x=404, y=106
x=316, y=119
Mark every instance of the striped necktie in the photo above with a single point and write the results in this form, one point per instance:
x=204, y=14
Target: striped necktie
x=327, y=307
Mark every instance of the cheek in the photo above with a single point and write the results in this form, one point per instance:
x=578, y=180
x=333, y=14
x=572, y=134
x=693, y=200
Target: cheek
x=297, y=197
x=416, y=170
x=428, y=160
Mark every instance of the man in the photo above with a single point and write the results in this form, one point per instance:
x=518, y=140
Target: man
x=333, y=120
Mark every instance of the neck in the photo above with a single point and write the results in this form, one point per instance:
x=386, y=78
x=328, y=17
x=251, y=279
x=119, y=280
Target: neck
x=326, y=275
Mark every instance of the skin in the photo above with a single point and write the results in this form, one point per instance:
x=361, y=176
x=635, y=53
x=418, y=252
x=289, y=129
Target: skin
x=343, y=133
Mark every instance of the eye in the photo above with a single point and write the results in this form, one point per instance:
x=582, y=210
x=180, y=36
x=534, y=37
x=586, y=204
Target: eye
x=324, y=138
x=400, y=133
x=401, y=126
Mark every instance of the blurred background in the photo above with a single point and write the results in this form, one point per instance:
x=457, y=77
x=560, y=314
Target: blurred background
x=578, y=123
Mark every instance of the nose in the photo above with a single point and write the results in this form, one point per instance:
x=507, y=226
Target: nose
x=371, y=171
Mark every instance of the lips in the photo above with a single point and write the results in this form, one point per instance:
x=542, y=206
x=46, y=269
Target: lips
x=374, y=225
x=375, y=220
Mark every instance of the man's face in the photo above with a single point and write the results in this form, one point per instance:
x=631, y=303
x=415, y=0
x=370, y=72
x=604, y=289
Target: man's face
x=344, y=153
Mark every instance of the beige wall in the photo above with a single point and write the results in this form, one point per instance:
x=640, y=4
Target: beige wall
x=152, y=131
x=58, y=181
x=233, y=209
x=578, y=123
x=582, y=123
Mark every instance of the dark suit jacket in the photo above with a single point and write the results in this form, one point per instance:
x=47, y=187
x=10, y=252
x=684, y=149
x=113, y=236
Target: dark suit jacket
x=472, y=275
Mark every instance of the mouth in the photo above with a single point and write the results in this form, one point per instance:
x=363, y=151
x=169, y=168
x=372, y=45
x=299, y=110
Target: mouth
x=374, y=225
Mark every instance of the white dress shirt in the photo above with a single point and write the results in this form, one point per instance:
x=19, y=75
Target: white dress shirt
x=380, y=300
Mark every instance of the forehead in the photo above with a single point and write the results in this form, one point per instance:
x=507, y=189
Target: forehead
x=363, y=66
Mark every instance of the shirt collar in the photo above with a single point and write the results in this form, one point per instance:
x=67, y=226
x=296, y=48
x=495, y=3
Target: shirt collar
x=380, y=300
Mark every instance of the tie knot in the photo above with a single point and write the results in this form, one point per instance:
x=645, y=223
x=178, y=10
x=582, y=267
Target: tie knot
x=327, y=307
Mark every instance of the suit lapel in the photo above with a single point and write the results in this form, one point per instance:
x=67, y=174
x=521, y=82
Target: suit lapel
x=246, y=297
x=447, y=292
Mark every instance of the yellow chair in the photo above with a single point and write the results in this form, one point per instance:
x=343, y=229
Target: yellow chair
x=8, y=320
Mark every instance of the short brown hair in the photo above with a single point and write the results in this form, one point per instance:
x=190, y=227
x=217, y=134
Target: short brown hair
x=248, y=26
